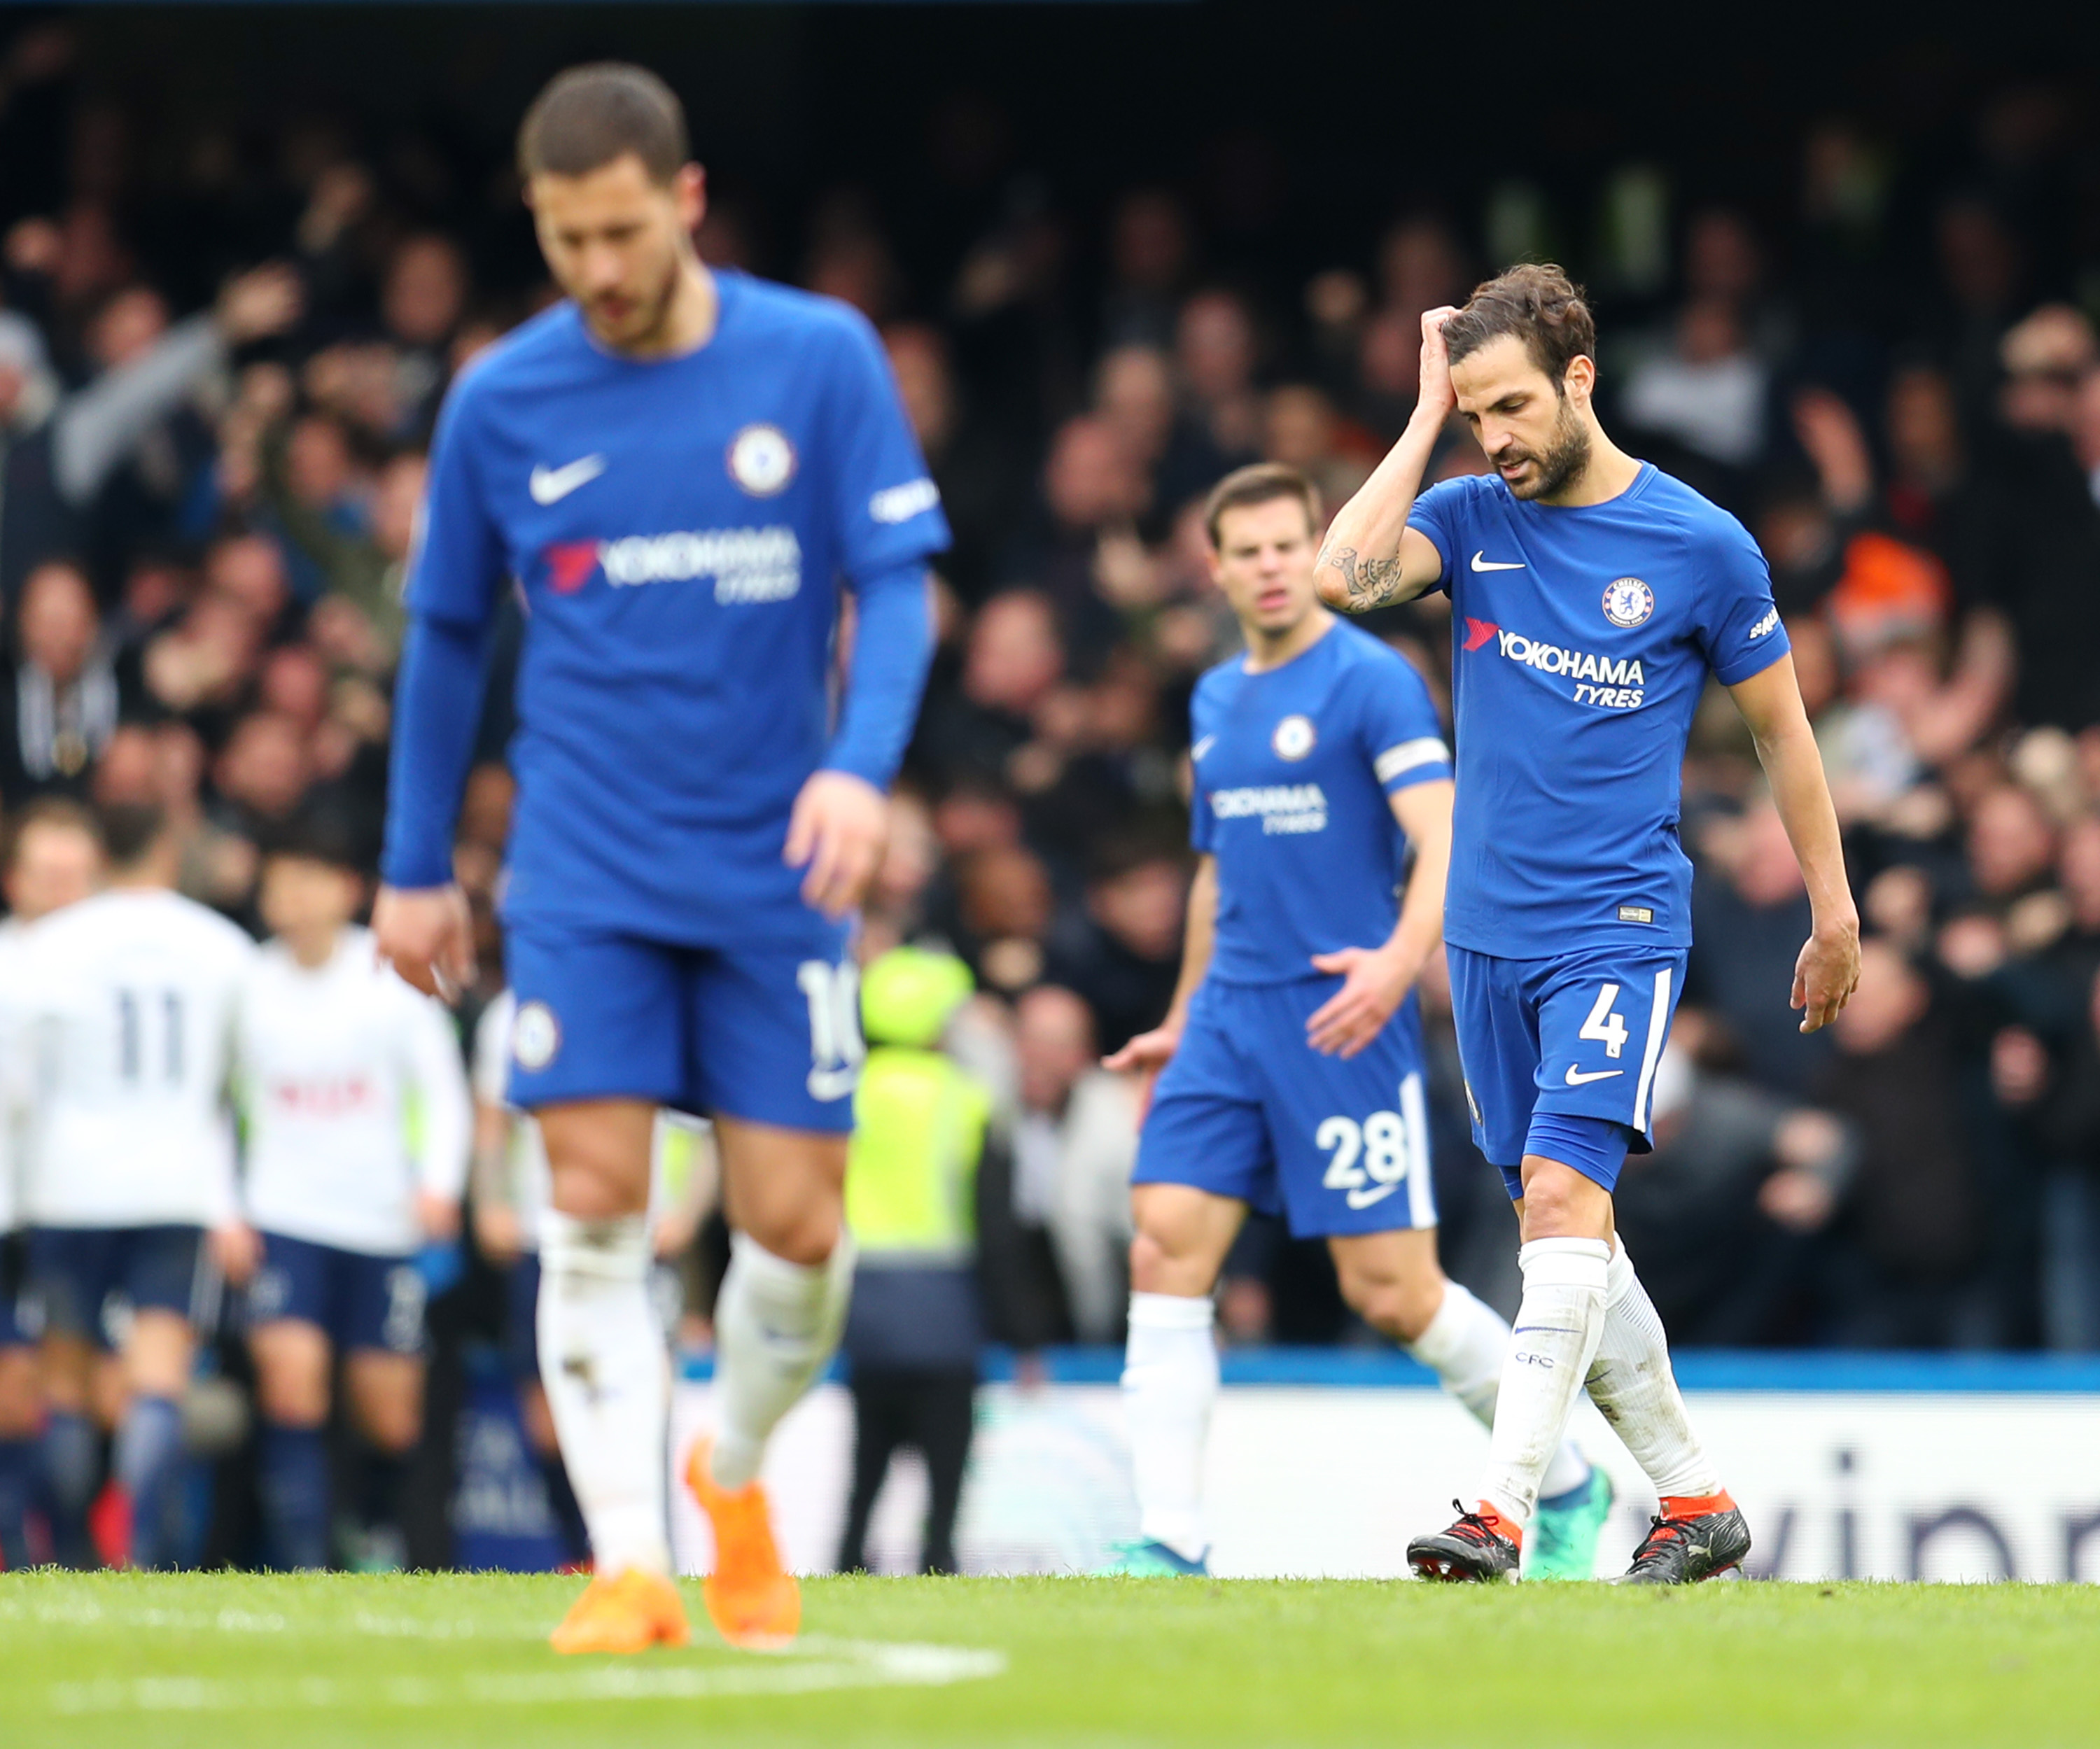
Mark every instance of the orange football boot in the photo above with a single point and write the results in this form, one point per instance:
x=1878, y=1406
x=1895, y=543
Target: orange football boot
x=628, y=1612
x=752, y=1598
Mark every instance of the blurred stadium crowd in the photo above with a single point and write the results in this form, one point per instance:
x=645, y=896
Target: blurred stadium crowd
x=218, y=366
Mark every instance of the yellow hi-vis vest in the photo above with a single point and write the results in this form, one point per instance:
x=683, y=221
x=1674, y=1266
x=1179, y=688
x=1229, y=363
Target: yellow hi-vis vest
x=918, y=1131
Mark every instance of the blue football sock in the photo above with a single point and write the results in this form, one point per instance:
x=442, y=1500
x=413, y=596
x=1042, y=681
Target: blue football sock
x=72, y=1468
x=18, y=1470
x=295, y=1495
x=148, y=1463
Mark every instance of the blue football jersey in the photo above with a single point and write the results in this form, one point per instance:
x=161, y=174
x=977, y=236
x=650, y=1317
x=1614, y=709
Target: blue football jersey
x=1293, y=768
x=1581, y=639
x=678, y=529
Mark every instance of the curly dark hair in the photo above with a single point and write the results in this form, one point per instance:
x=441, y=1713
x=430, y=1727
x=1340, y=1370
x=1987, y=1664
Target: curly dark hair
x=1539, y=304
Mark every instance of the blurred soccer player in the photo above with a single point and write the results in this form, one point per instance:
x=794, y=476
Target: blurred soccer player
x=128, y=998
x=679, y=467
x=1592, y=597
x=54, y=859
x=1289, y=1068
x=338, y=1060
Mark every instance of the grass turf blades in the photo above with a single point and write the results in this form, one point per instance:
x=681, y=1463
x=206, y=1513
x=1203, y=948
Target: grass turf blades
x=230, y=1660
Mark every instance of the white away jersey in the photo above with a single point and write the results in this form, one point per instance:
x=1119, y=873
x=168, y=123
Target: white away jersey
x=355, y=1097
x=125, y=1011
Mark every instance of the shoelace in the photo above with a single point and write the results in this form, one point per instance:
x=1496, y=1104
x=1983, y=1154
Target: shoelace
x=1472, y=1528
x=1660, y=1530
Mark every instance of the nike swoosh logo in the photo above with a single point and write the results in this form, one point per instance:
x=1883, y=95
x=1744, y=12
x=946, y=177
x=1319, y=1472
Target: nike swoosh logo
x=551, y=485
x=1481, y=563
x=1201, y=747
x=1363, y=1199
x=1577, y=1079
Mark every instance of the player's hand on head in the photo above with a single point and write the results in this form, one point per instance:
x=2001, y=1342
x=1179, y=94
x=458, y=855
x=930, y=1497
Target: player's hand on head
x=427, y=934
x=1373, y=985
x=836, y=832
x=1435, y=390
x=438, y=1216
x=237, y=1250
x=1825, y=975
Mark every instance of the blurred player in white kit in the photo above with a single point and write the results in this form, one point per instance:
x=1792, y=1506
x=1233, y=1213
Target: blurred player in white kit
x=124, y=1006
x=358, y=1119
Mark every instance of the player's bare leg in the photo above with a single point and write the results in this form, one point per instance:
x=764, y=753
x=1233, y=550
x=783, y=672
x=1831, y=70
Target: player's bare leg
x=778, y=1321
x=607, y=1377
x=1169, y=1376
x=292, y=1362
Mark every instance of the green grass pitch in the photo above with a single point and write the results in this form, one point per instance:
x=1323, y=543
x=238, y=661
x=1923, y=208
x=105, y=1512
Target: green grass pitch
x=230, y=1660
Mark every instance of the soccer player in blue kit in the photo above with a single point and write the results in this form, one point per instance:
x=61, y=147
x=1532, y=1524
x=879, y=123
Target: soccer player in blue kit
x=1290, y=1065
x=676, y=468
x=1592, y=596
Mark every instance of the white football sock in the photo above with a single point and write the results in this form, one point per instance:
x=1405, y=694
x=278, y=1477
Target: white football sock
x=776, y=1325
x=608, y=1382
x=1632, y=1384
x=1558, y=1327
x=1170, y=1380
x=1466, y=1345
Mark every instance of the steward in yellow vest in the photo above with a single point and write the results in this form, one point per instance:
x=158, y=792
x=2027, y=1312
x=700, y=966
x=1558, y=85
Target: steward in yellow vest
x=916, y=1324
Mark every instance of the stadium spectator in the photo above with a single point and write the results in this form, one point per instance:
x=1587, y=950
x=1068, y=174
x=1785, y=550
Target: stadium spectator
x=1074, y=1137
x=61, y=702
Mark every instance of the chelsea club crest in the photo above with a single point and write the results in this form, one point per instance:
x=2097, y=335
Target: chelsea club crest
x=1628, y=601
x=1293, y=737
x=762, y=459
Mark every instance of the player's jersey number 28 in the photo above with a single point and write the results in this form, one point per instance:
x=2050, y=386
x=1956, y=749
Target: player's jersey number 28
x=1365, y=1161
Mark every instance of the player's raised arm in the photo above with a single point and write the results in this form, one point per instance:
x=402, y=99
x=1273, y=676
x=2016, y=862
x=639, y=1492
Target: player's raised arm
x=1371, y=558
x=1828, y=972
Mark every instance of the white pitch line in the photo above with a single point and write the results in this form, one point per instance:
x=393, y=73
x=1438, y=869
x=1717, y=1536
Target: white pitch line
x=813, y=1664
x=837, y=1664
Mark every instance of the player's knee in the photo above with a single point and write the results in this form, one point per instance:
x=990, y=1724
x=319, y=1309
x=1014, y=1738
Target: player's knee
x=1398, y=1306
x=292, y=1396
x=395, y=1427
x=1160, y=1262
x=805, y=1236
x=1560, y=1203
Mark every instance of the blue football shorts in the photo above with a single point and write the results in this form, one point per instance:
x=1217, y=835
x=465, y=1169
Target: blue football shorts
x=1247, y=1109
x=1577, y=1035
x=358, y=1301
x=769, y=1034
x=81, y=1278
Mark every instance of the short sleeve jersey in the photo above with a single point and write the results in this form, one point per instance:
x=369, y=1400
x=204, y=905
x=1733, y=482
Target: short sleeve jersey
x=1294, y=769
x=128, y=1002
x=1582, y=640
x=678, y=529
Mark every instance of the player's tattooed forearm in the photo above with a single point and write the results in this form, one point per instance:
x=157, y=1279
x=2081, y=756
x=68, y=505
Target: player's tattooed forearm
x=1370, y=582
